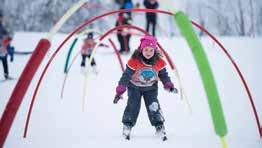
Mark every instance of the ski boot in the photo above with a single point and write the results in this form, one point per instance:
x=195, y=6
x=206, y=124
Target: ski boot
x=161, y=132
x=127, y=131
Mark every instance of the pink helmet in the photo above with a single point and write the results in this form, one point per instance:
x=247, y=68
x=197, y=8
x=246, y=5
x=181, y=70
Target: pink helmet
x=148, y=41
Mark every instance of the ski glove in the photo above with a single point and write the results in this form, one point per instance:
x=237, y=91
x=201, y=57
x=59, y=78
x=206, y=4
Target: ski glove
x=169, y=86
x=120, y=89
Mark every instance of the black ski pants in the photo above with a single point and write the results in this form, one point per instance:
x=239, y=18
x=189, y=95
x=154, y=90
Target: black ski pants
x=134, y=103
x=83, y=63
x=5, y=66
x=151, y=21
x=124, y=42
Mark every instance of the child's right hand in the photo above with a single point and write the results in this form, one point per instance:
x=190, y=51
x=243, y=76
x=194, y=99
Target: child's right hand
x=120, y=89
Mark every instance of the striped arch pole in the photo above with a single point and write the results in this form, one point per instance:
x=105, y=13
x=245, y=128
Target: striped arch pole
x=117, y=54
x=27, y=75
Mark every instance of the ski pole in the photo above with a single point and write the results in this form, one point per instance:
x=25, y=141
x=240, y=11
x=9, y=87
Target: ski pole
x=182, y=91
x=86, y=75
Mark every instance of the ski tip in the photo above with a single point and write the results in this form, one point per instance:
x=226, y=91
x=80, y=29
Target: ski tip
x=8, y=79
x=127, y=138
x=164, y=138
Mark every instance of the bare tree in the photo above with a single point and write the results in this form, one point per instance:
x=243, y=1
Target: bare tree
x=251, y=31
x=222, y=20
x=240, y=19
x=201, y=20
x=259, y=21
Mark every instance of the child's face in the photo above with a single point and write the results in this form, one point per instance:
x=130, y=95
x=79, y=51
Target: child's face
x=148, y=52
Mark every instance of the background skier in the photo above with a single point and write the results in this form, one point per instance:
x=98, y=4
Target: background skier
x=151, y=18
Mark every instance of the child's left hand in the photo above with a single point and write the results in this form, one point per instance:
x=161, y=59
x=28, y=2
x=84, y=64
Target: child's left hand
x=169, y=86
x=173, y=90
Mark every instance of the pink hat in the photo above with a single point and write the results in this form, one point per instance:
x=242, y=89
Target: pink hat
x=148, y=41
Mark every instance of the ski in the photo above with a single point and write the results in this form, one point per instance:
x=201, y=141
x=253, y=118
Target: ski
x=161, y=132
x=23, y=52
x=127, y=137
x=164, y=138
x=7, y=79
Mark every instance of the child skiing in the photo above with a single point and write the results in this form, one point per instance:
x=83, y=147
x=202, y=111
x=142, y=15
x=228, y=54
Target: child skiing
x=87, y=48
x=141, y=79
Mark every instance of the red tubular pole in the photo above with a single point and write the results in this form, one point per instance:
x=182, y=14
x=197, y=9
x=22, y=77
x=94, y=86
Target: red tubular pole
x=21, y=88
x=239, y=73
x=167, y=57
x=145, y=32
x=117, y=54
x=121, y=27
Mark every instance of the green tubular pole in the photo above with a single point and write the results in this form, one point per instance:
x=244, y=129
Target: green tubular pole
x=205, y=72
x=69, y=55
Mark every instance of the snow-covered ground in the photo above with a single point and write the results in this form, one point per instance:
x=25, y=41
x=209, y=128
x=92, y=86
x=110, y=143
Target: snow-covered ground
x=57, y=122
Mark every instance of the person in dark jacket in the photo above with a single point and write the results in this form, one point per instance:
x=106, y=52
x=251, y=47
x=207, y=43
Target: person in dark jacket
x=151, y=18
x=124, y=19
x=123, y=35
x=4, y=43
x=140, y=78
x=128, y=4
